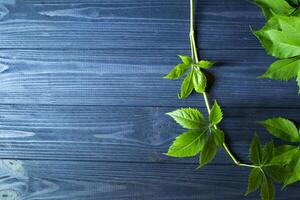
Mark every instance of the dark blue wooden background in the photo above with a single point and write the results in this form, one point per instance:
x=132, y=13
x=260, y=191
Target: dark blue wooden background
x=82, y=99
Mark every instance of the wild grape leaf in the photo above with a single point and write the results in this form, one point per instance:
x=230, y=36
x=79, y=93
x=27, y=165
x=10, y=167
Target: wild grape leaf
x=267, y=189
x=254, y=181
x=188, y=144
x=271, y=7
x=177, y=72
x=284, y=154
x=282, y=128
x=189, y=118
x=186, y=60
x=205, y=64
x=216, y=114
x=209, y=152
x=268, y=153
x=187, y=86
x=199, y=81
x=218, y=137
x=255, y=150
x=282, y=40
x=294, y=167
x=284, y=69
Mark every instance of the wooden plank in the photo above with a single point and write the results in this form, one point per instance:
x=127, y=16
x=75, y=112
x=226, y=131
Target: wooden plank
x=134, y=78
x=122, y=181
x=126, y=24
x=129, y=134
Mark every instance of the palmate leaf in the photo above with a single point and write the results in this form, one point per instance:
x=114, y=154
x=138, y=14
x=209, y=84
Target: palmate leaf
x=188, y=144
x=189, y=118
x=271, y=7
x=282, y=128
x=281, y=38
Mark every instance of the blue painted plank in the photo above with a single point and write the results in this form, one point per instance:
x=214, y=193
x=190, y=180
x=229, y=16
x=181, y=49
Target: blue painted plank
x=134, y=78
x=125, y=181
x=118, y=134
x=126, y=24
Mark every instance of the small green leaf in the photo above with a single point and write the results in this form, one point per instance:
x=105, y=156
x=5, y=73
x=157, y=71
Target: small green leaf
x=268, y=153
x=278, y=173
x=255, y=151
x=283, y=70
x=188, y=144
x=205, y=64
x=284, y=155
x=199, y=81
x=186, y=60
x=209, y=152
x=218, y=137
x=189, y=118
x=187, y=86
x=282, y=40
x=216, y=114
x=282, y=128
x=267, y=189
x=177, y=72
x=254, y=181
x=294, y=167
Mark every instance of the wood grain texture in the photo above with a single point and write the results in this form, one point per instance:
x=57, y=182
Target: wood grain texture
x=126, y=24
x=123, y=181
x=134, y=78
x=83, y=99
x=119, y=134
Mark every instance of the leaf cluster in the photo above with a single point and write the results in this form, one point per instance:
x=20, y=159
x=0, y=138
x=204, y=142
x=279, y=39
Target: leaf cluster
x=201, y=137
x=280, y=36
x=195, y=79
x=280, y=164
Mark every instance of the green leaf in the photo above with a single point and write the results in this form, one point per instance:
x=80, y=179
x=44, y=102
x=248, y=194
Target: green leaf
x=282, y=128
x=280, y=36
x=278, y=173
x=284, y=154
x=186, y=60
x=209, y=152
x=268, y=153
x=205, y=64
x=284, y=69
x=177, y=72
x=187, y=86
x=294, y=167
x=189, y=118
x=188, y=144
x=218, y=137
x=216, y=114
x=254, y=181
x=199, y=81
x=271, y=7
x=255, y=151
x=267, y=189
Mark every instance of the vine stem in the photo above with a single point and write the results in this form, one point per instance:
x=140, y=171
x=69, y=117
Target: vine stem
x=194, y=53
